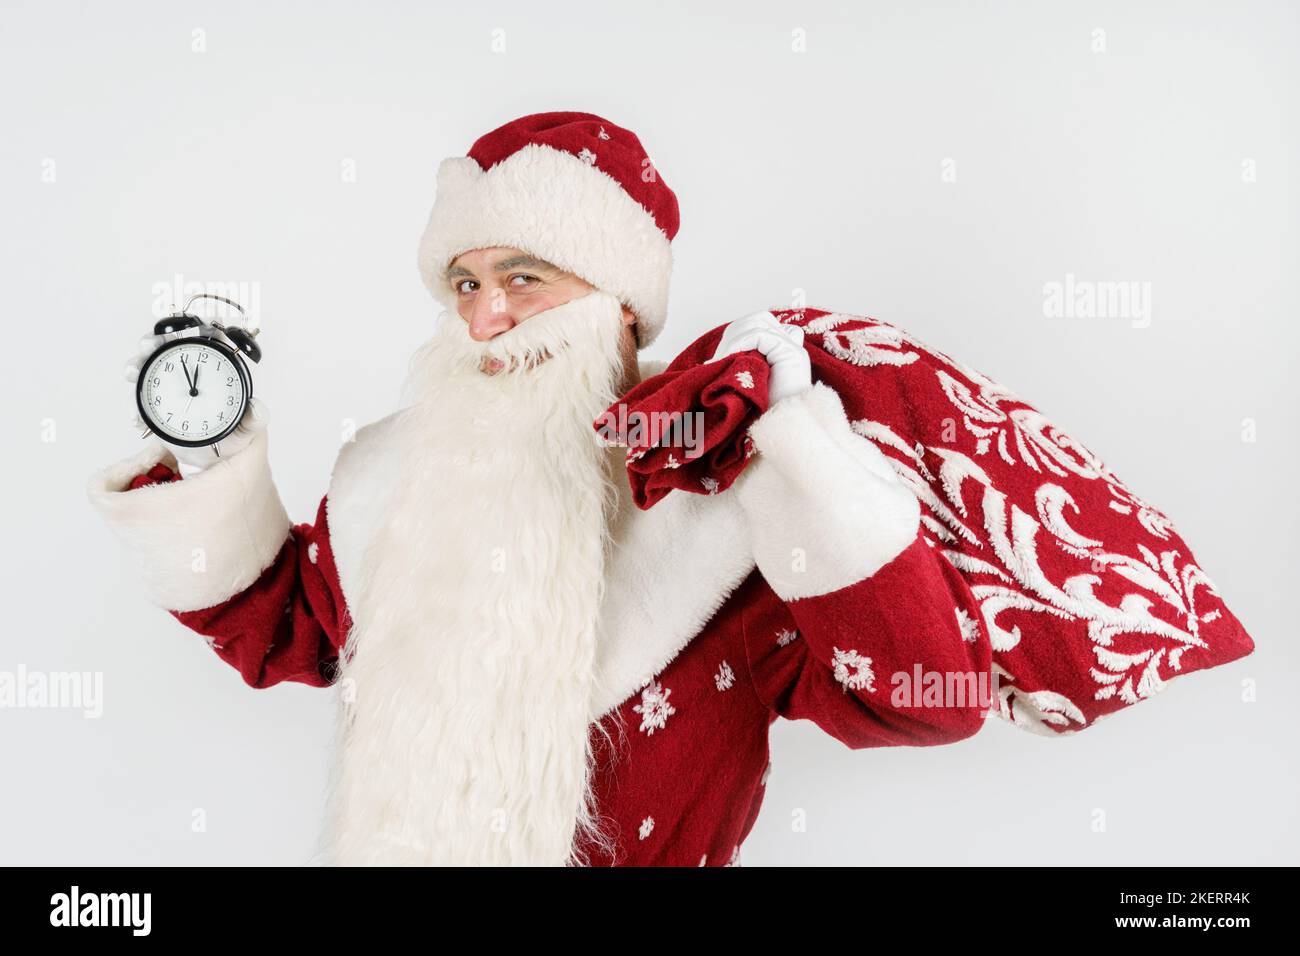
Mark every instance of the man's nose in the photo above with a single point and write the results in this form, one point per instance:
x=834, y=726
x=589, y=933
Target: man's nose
x=488, y=321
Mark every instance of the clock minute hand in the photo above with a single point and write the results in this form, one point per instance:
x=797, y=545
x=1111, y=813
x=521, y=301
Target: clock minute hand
x=188, y=381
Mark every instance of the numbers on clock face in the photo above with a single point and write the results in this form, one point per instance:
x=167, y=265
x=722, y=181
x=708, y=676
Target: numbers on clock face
x=193, y=392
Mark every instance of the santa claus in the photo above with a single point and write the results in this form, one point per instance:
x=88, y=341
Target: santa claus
x=531, y=670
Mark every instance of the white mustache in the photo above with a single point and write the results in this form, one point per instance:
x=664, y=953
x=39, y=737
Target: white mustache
x=584, y=331
x=577, y=322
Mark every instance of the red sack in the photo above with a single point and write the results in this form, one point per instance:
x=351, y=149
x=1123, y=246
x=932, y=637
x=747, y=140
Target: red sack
x=1089, y=596
x=724, y=397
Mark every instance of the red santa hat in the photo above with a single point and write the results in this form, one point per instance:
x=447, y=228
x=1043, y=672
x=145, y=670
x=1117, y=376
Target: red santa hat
x=571, y=188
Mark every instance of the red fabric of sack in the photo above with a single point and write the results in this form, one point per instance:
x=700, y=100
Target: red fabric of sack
x=686, y=428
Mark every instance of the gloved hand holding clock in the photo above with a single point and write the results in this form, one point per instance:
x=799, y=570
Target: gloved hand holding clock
x=194, y=390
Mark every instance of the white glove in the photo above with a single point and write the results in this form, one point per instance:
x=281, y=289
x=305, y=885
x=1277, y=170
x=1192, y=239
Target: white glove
x=781, y=345
x=191, y=461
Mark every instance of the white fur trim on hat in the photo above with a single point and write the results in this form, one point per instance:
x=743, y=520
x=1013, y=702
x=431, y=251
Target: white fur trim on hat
x=555, y=206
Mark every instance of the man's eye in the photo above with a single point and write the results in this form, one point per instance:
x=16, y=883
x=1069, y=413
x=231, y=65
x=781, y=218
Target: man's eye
x=524, y=276
x=460, y=286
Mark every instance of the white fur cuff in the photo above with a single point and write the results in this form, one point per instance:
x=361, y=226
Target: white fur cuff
x=824, y=506
x=200, y=540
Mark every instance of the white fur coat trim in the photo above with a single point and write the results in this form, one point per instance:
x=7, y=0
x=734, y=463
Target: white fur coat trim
x=199, y=540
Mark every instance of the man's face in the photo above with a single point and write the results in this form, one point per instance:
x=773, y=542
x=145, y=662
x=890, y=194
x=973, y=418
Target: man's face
x=500, y=286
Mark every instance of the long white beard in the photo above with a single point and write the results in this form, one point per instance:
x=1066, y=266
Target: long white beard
x=465, y=722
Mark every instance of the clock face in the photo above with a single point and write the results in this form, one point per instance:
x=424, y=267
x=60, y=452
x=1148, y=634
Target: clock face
x=193, y=391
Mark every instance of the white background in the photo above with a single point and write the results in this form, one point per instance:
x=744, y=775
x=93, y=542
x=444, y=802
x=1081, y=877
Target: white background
x=817, y=171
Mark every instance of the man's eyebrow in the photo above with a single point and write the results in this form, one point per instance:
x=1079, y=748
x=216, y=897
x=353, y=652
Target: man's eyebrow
x=511, y=262
x=514, y=262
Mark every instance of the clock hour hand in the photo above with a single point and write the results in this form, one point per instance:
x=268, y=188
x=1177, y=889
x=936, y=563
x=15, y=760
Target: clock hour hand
x=188, y=380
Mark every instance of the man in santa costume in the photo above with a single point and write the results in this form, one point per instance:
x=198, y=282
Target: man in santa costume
x=531, y=669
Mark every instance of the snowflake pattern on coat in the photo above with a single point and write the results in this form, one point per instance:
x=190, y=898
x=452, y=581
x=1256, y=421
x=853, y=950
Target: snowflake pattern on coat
x=853, y=670
x=725, y=678
x=654, y=708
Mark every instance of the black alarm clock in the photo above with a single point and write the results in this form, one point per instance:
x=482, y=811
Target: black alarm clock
x=195, y=388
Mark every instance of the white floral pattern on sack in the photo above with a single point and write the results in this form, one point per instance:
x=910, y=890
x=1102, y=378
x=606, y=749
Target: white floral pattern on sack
x=313, y=550
x=725, y=678
x=883, y=344
x=1038, y=443
x=1024, y=437
x=1132, y=677
x=970, y=629
x=867, y=346
x=1037, y=711
x=654, y=708
x=785, y=636
x=745, y=378
x=647, y=827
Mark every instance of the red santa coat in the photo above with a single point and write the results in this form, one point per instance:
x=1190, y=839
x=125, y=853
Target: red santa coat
x=804, y=591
